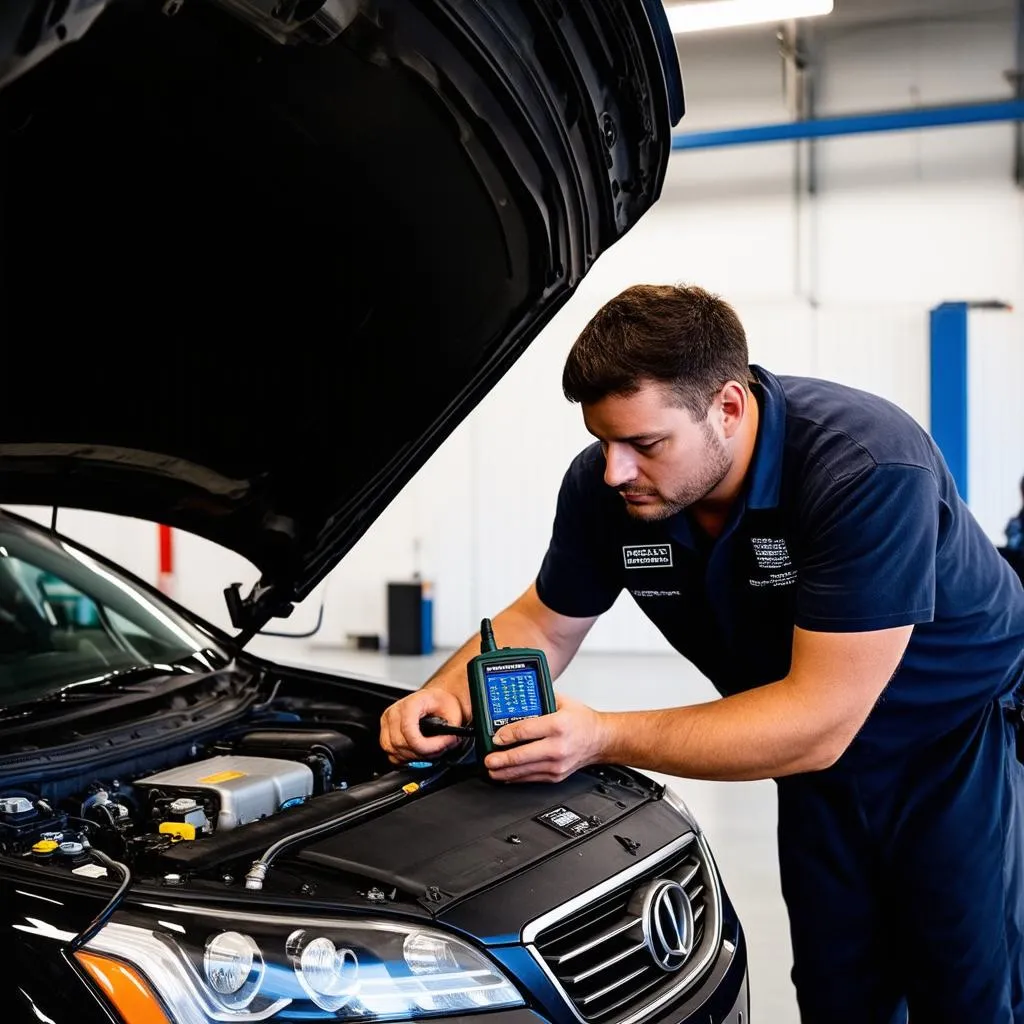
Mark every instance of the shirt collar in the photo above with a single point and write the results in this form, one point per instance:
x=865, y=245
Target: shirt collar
x=766, y=465
x=765, y=470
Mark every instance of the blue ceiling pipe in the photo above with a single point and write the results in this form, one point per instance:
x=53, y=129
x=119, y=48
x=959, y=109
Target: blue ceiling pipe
x=855, y=124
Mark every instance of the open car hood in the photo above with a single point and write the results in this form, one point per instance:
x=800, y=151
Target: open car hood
x=260, y=257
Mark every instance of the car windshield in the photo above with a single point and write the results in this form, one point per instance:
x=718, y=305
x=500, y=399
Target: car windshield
x=67, y=619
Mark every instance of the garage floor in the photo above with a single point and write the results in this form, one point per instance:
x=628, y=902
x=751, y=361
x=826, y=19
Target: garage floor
x=739, y=818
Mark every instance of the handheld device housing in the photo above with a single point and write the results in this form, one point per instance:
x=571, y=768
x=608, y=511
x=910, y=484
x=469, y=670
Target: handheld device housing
x=506, y=685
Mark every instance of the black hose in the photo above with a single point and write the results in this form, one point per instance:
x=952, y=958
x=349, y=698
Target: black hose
x=111, y=821
x=104, y=915
x=258, y=872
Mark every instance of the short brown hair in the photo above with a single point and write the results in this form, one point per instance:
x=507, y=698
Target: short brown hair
x=677, y=335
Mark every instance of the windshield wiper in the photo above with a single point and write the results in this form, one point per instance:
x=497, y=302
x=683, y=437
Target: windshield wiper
x=47, y=713
x=120, y=680
x=112, y=689
x=104, y=687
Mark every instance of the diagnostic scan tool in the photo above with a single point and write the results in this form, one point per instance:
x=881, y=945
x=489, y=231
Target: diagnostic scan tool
x=505, y=685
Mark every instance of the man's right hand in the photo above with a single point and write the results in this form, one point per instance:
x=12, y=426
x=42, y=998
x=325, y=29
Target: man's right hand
x=400, y=734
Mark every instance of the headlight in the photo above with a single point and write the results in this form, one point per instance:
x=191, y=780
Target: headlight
x=210, y=965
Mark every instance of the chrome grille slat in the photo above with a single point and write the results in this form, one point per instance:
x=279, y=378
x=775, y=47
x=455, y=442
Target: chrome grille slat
x=609, y=977
x=600, y=993
x=582, y=926
x=635, y=994
x=691, y=871
x=593, y=943
x=605, y=964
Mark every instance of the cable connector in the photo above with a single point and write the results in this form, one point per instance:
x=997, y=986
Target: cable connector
x=255, y=876
x=431, y=725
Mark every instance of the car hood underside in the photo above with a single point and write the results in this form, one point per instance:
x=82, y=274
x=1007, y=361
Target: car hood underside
x=256, y=269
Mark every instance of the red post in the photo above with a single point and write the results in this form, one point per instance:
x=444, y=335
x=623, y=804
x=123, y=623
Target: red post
x=165, y=571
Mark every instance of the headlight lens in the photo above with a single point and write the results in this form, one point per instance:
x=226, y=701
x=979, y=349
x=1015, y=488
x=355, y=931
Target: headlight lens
x=217, y=966
x=329, y=975
x=233, y=966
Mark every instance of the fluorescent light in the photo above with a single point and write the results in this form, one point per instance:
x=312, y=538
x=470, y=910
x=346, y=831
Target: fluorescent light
x=708, y=14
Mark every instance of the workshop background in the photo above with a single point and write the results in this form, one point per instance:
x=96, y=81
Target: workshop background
x=891, y=260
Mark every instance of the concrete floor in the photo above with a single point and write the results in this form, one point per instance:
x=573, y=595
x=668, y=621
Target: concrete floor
x=739, y=818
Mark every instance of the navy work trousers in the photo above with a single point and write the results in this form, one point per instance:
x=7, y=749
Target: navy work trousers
x=905, y=883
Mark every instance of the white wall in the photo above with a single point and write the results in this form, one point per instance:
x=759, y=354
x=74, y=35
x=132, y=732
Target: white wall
x=995, y=420
x=837, y=285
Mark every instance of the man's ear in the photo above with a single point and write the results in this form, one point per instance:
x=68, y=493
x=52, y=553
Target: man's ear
x=733, y=402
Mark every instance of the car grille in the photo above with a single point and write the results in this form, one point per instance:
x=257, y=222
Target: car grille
x=594, y=949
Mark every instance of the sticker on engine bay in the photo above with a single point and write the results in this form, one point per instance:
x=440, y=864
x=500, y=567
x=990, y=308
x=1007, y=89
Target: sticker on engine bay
x=568, y=822
x=222, y=777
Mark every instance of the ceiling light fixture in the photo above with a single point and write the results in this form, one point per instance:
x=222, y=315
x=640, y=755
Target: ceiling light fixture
x=709, y=14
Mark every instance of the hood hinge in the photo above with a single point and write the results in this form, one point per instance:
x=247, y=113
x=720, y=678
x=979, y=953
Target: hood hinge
x=252, y=612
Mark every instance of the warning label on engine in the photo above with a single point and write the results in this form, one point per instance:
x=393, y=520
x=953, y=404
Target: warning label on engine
x=566, y=821
x=209, y=780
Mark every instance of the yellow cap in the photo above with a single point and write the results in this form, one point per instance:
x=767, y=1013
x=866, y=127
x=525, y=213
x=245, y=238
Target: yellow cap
x=45, y=846
x=181, y=829
x=410, y=787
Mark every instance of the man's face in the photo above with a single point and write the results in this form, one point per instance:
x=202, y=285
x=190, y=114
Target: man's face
x=656, y=456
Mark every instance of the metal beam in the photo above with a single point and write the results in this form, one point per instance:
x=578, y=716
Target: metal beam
x=855, y=124
x=948, y=390
x=799, y=67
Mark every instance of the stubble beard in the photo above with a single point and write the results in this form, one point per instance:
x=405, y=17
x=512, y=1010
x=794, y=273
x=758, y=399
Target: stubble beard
x=714, y=467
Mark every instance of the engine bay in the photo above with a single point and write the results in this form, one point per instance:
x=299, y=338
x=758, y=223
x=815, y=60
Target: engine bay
x=278, y=783
x=284, y=757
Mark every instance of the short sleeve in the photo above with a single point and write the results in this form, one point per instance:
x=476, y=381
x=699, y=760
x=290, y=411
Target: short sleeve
x=578, y=576
x=868, y=552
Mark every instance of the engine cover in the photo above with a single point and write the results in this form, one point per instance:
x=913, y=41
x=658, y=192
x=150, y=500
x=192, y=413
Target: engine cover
x=245, y=789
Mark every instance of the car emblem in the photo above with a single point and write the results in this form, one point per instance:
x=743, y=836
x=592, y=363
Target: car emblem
x=667, y=920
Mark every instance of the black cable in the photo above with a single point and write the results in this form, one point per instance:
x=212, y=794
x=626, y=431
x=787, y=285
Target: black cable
x=104, y=915
x=95, y=824
x=257, y=708
x=258, y=872
x=300, y=636
x=432, y=725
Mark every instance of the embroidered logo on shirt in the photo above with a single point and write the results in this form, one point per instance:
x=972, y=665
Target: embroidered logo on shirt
x=647, y=556
x=772, y=556
x=656, y=593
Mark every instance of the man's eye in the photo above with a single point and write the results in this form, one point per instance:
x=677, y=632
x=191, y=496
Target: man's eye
x=649, y=447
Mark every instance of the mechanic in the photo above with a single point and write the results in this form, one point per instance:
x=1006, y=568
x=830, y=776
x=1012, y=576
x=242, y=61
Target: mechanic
x=803, y=545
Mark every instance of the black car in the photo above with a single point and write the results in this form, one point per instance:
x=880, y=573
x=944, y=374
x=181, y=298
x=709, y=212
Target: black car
x=259, y=257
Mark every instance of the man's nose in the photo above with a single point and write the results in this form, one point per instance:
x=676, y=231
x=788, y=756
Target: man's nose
x=619, y=468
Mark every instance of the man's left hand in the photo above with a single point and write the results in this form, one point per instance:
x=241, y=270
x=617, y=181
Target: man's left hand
x=554, y=745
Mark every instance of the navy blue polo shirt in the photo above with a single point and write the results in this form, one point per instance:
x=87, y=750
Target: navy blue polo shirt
x=849, y=521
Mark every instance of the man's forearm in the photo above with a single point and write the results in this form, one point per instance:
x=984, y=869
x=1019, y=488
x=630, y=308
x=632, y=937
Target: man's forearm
x=802, y=723
x=764, y=733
